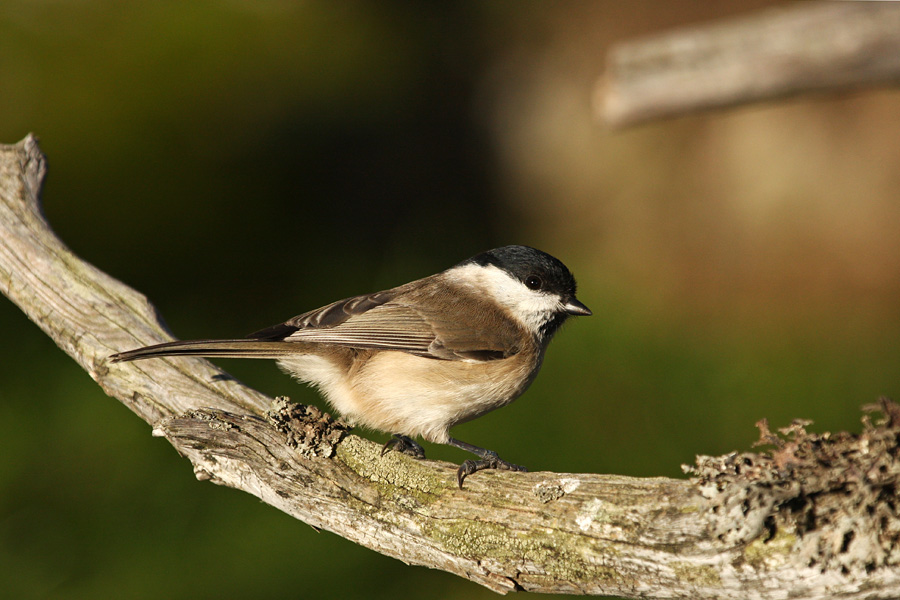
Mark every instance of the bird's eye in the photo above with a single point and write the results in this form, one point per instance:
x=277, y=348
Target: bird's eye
x=533, y=282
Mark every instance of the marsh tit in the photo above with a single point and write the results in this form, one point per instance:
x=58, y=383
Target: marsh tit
x=417, y=359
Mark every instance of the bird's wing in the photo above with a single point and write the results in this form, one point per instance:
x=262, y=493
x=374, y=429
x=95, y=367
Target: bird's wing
x=394, y=320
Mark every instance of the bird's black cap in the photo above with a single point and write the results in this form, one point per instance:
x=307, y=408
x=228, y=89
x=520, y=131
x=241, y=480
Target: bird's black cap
x=525, y=262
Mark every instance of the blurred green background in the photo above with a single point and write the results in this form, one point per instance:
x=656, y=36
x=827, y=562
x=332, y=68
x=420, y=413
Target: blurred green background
x=244, y=162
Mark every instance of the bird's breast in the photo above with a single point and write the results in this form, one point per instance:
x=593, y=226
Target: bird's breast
x=397, y=392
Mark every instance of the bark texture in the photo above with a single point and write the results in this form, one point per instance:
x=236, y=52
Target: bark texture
x=814, y=517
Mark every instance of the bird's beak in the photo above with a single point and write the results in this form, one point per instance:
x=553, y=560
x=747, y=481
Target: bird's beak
x=574, y=307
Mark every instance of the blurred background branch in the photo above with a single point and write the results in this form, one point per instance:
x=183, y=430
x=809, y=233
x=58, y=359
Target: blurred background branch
x=808, y=47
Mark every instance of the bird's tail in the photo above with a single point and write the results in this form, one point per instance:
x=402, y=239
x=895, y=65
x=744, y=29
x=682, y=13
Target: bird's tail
x=239, y=348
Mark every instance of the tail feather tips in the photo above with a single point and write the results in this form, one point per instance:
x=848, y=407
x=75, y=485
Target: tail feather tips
x=209, y=348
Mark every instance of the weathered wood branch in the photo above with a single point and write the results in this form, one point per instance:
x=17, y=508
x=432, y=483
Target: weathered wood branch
x=815, y=518
x=805, y=47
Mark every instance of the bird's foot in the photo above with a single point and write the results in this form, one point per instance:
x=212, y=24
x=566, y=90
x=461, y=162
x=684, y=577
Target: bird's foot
x=403, y=444
x=489, y=460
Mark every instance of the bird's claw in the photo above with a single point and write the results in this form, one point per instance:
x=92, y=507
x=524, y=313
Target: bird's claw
x=403, y=444
x=491, y=461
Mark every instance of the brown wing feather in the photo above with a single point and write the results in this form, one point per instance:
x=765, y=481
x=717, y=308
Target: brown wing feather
x=465, y=328
x=389, y=326
x=330, y=315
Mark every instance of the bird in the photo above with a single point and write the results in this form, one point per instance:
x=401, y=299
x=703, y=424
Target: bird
x=415, y=360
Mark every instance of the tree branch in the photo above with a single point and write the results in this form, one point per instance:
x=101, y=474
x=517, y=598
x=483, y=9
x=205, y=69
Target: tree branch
x=780, y=52
x=814, y=518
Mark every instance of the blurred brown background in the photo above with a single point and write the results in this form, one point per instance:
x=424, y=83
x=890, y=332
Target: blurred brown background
x=244, y=162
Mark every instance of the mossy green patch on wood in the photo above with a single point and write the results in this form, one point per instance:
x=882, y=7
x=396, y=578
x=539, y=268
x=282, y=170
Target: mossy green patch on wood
x=394, y=473
x=773, y=552
x=563, y=554
x=699, y=575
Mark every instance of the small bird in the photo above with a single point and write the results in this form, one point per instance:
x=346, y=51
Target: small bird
x=415, y=360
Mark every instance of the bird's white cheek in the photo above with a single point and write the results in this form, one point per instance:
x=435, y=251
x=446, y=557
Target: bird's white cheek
x=531, y=308
x=536, y=311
